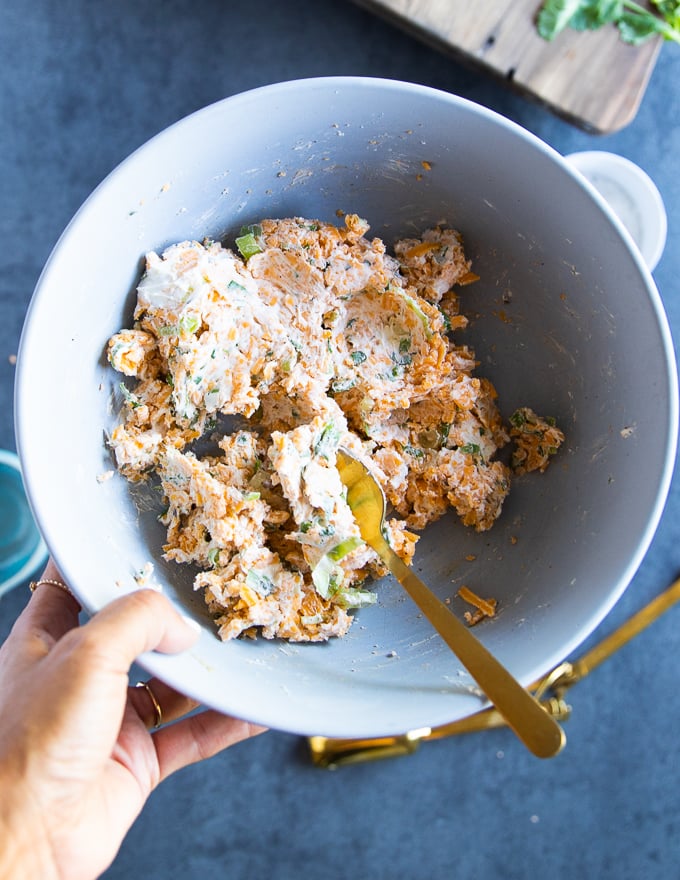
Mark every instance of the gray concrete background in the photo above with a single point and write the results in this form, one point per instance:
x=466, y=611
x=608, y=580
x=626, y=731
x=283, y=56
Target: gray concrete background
x=82, y=84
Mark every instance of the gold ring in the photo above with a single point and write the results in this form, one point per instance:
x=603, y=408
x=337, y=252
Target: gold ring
x=33, y=586
x=158, y=712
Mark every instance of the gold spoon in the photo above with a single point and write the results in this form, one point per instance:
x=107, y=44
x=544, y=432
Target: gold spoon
x=539, y=732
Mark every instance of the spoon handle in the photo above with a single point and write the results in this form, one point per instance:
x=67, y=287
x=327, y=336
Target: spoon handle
x=541, y=734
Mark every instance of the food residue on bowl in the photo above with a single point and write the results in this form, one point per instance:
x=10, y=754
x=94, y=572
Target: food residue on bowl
x=310, y=338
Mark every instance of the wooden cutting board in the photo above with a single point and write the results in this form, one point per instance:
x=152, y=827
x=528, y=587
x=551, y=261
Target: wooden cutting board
x=591, y=78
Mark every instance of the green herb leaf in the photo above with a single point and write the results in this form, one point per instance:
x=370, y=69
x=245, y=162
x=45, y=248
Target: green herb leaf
x=635, y=28
x=636, y=23
x=555, y=16
x=358, y=357
x=595, y=13
x=670, y=9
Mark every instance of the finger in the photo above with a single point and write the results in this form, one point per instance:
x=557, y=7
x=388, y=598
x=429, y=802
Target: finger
x=171, y=704
x=51, y=612
x=132, y=625
x=85, y=681
x=52, y=576
x=199, y=737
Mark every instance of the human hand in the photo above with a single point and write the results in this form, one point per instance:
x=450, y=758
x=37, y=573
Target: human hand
x=77, y=758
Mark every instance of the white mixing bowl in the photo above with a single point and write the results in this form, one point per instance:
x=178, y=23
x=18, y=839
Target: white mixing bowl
x=566, y=319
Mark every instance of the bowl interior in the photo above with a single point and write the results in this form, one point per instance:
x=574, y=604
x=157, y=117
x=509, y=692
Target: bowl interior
x=565, y=319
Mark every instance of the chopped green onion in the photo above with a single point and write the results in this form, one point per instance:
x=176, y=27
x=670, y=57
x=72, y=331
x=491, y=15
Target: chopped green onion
x=214, y=555
x=344, y=547
x=327, y=576
x=328, y=441
x=255, y=228
x=358, y=357
x=416, y=309
x=189, y=323
x=234, y=285
x=355, y=598
x=401, y=360
x=338, y=385
x=446, y=319
x=259, y=582
x=248, y=245
x=131, y=399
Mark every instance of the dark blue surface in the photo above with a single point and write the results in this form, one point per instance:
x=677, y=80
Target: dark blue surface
x=82, y=84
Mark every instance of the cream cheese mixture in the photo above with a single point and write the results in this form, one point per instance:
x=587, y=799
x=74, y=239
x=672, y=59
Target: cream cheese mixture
x=315, y=338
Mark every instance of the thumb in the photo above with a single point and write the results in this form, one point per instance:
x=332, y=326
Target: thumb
x=83, y=680
x=141, y=621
